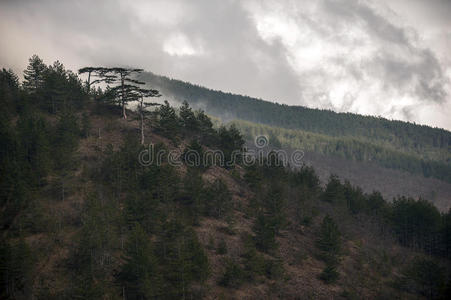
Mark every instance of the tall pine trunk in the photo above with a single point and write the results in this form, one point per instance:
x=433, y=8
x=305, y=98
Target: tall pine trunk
x=142, y=121
x=89, y=82
x=142, y=130
x=124, y=115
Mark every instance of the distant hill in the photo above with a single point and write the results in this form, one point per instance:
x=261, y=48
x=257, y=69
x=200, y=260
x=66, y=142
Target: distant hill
x=399, y=145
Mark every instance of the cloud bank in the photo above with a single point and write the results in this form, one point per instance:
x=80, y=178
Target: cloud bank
x=368, y=57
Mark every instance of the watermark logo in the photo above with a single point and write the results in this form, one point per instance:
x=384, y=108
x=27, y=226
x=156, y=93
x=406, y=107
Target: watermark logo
x=261, y=141
x=261, y=154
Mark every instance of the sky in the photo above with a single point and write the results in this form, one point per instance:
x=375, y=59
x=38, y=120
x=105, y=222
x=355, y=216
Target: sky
x=388, y=58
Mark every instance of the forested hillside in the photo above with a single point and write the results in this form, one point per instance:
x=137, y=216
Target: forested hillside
x=84, y=216
x=394, y=144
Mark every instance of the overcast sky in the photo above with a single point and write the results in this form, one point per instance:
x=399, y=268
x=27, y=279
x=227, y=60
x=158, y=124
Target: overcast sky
x=390, y=58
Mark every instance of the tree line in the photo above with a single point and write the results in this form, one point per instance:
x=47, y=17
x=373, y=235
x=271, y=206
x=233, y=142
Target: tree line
x=349, y=148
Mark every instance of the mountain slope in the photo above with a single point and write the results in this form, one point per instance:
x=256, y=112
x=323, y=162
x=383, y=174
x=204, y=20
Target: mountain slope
x=328, y=157
x=394, y=144
x=100, y=193
x=402, y=135
x=85, y=215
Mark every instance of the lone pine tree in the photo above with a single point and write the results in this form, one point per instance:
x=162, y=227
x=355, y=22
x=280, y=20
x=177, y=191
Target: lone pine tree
x=126, y=90
x=143, y=106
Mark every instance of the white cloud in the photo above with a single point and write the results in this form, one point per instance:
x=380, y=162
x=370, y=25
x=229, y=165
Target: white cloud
x=178, y=44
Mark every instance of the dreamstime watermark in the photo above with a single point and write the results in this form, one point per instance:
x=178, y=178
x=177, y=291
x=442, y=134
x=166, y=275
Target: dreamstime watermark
x=261, y=154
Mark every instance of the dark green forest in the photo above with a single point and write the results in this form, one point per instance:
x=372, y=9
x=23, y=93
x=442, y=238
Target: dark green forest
x=346, y=147
x=393, y=144
x=82, y=218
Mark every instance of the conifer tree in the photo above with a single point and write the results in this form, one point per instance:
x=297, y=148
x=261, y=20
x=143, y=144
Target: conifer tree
x=168, y=120
x=100, y=74
x=34, y=74
x=207, y=134
x=126, y=88
x=193, y=155
x=139, y=274
x=334, y=191
x=56, y=87
x=265, y=233
x=9, y=92
x=218, y=199
x=188, y=118
x=143, y=106
x=329, y=242
x=329, y=238
x=182, y=259
x=270, y=218
x=192, y=196
x=230, y=141
x=427, y=275
x=233, y=275
x=92, y=259
x=446, y=234
x=329, y=274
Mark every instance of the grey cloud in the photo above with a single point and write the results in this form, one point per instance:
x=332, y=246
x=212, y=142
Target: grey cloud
x=234, y=56
x=398, y=64
x=398, y=71
x=422, y=77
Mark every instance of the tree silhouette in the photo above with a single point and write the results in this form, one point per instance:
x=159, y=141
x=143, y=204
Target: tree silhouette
x=126, y=89
x=34, y=74
x=100, y=73
x=142, y=107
